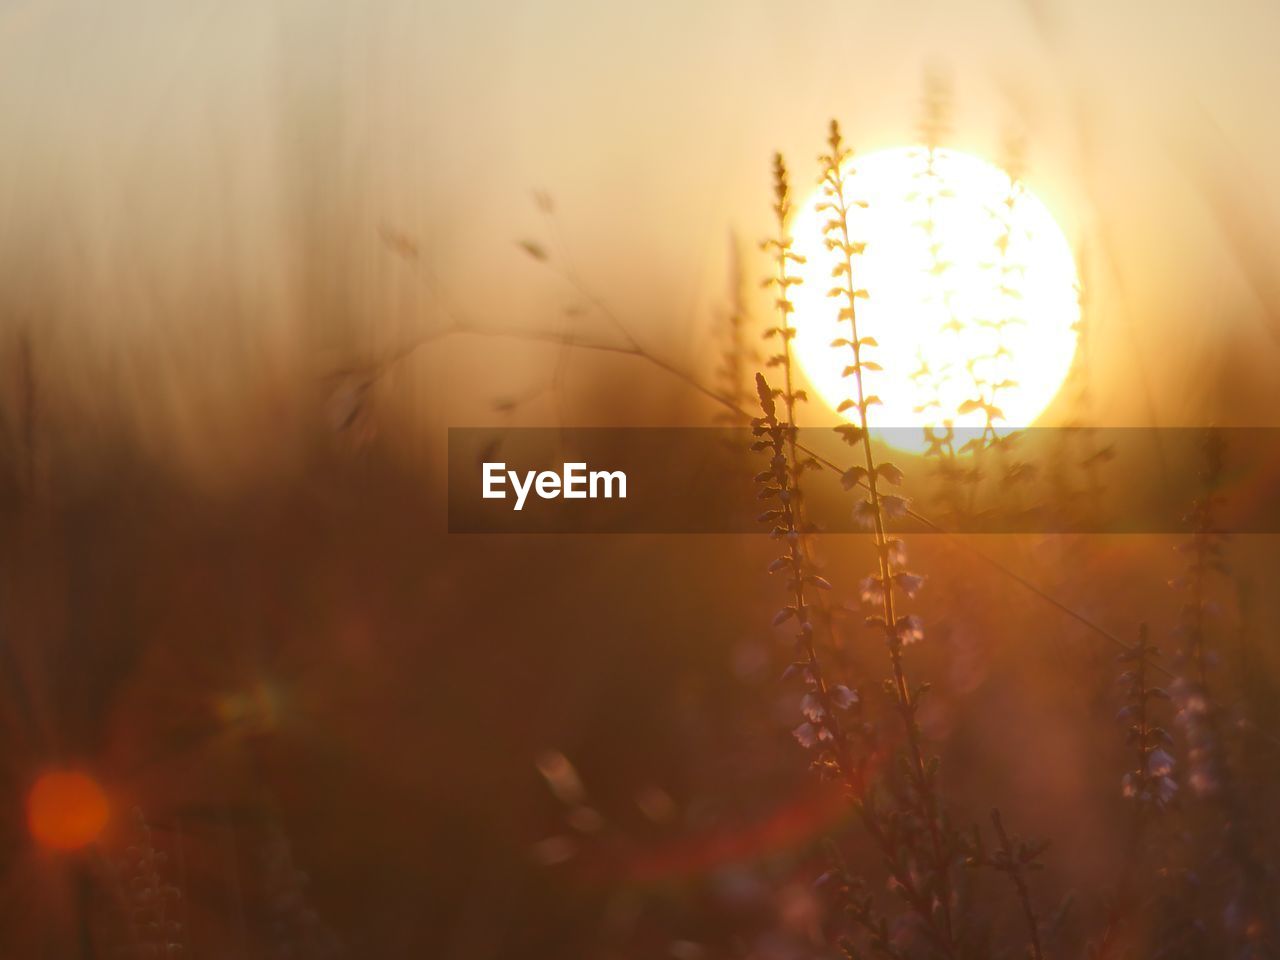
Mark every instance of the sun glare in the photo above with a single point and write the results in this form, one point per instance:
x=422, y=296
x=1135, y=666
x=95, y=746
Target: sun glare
x=971, y=295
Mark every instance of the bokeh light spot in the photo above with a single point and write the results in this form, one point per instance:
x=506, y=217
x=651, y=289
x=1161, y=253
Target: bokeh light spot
x=66, y=810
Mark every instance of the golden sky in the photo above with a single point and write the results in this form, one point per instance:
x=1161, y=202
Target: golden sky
x=197, y=188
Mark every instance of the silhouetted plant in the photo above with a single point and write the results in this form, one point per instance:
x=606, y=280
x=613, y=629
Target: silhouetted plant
x=989, y=374
x=151, y=901
x=902, y=808
x=295, y=929
x=782, y=482
x=910, y=822
x=821, y=730
x=1204, y=552
x=1077, y=457
x=1015, y=858
x=1238, y=878
x=1148, y=785
x=954, y=476
x=737, y=354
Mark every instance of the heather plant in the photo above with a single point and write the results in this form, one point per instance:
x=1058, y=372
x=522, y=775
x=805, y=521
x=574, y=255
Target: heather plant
x=782, y=482
x=989, y=373
x=1237, y=882
x=822, y=704
x=151, y=902
x=737, y=355
x=897, y=795
x=1075, y=474
x=921, y=845
x=1148, y=786
x=1204, y=558
x=295, y=930
x=953, y=476
x=1015, y=858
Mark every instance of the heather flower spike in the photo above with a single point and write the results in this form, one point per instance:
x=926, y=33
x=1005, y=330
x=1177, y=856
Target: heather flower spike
x=932, y=849
x=903, y=812
x=781, y=482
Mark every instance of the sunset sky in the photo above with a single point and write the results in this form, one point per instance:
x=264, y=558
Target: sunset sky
x=287, y=136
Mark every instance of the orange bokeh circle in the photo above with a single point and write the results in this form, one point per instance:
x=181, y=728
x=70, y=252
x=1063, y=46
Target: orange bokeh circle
x=66, y=810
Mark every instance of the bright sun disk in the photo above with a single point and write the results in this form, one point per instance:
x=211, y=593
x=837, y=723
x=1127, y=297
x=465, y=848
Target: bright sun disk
x=971, y=288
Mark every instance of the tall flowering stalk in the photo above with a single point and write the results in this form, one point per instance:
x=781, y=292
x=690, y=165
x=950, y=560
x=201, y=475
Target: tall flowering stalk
x=988, y=372
x=738, y=356
x=932, y=191
x=784, y=257
x=1204, y=552
x=824, y=701
x=1077, y=456
x=152, y=903
x=1148, y=785
x=903, y=812
x=1245, y=881
x=923, y=846
x=1016, y=859
x=781, y=482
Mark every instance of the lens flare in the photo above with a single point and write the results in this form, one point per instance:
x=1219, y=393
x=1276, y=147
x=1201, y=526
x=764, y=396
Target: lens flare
x=66, y=810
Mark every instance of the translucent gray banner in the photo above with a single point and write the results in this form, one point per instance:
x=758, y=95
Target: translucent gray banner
x=694, y=480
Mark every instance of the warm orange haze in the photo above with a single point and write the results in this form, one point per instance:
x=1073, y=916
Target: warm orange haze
x=930, y=616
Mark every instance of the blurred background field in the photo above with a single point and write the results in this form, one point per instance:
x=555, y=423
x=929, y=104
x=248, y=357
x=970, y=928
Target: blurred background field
x=256, y=258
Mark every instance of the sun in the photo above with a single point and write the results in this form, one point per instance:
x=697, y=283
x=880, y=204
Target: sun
x=972, y=295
